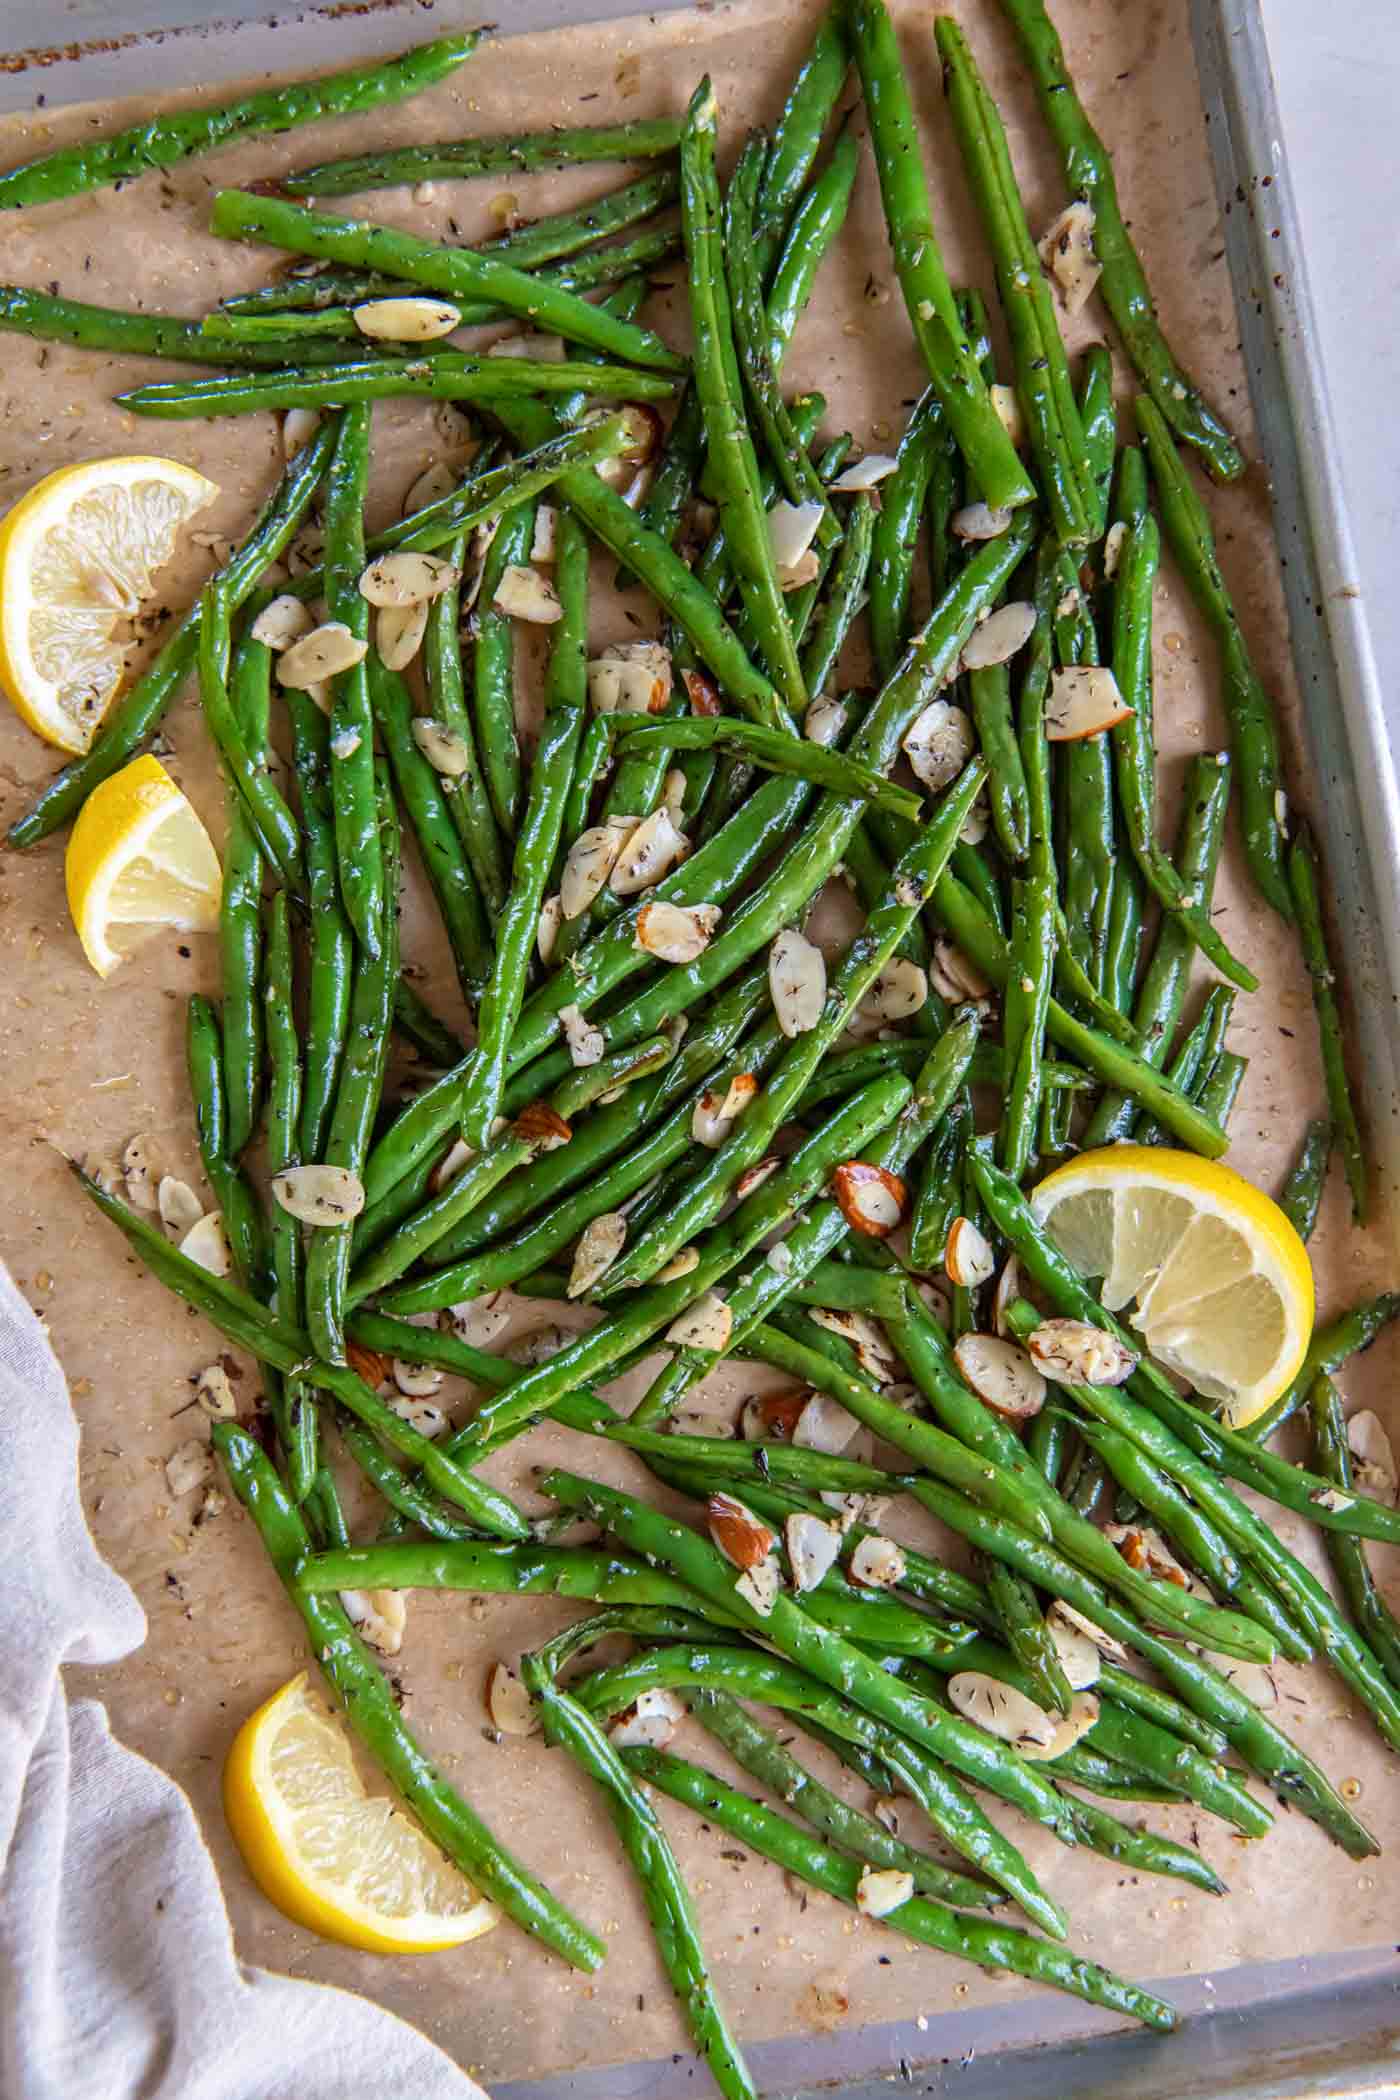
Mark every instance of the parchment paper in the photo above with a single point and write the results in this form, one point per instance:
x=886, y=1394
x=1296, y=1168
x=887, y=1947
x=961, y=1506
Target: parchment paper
x=88, y=1065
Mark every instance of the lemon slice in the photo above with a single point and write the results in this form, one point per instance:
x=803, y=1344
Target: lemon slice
x=138, y=859
x=78, y=555
x=347, y=1864
x=1217, y=1280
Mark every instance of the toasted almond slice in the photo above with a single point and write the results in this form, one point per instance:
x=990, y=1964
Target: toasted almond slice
x=407, y=579
x=324, y=653
x=432, y=486
x=796, y=981
x=1009, y=1289
x=367, y=1364
x=283, y=622
x=792, y=527
x=977, y=822
x=967, y=1256
x=760, y=1586
x=753, y=1178
x=416, y=1381
x=883, y=1889
x=458, y=1156
x=979, y=521
x=996, y=639
x=825, y=719
x=480, y=1320
x=139, y=1170
x=632, y=678
x=1145, y=1549
x=877, y=1563
x=524, y=594
x=872, y=1199
x=709, y=1125
x=955, y=976
x=1001, y=1374
x=398, y=634
x=1067, y=250
x=779, y=1258
x=1113, y=547
x=379, y=1616
x=738, y=1095
x=320, y=1195
x=1007, y=403
x=797, y=575
x=653, y=848
x=644, y=432
x=539, y=1345
x=536, y=347
x=1075, y=1352
x=539, y=1124
x=1084, y=701
x=1062, y=1614
x=650, y=1722
x=446, y=750
x=876, y=1357
x=1372, y=1456
x=547, y=932
x=214, y=1392
x=772, y=1417
x=682, y=1264
x=591, y=859
x=743, y=1538
x=299, y=427
x=673, y=793
x=345, y=743
x=939, y=743
x=1002, y=1711
x=542, y=542
x=825, y=1425
x=702, y=693
x=180, y=1208
x=512, y=1710
x=812, y=1548
x=189, y=1466
x=1333, y=1498
x=707, y=1324
x=695, y=1421
x=599, y=1244
x=1258, y=1682
x=865, y=473
x=900, y=989
x=676, y=933
x=408, y=320
x=1079, y=1656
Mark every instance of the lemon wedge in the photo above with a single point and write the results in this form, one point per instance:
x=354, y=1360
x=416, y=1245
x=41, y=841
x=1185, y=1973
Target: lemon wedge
x=345, y=1863
x=78, y=556
x=1208, y=1269
x=138, y=859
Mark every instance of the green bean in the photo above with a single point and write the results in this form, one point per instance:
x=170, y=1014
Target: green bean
x=428, y=810
x=1086, y=797
x=1133, y=752
x=357, y=1097
x=1100, y=425
x=359, y=857
x=1104, y=1775
x=453, y=272
x=1126, y=927
x=938, y=1200
x=1220, y=1088
x=373, y=1714
x=1332, y=1456
x=933, y=314
x=1249, y=710
x=845, y=597
x=1300, y=1198
x=267, y=813
x=732, y=464
x=1026, y=1634
x=1163, y=989
x=442, y=375
x=1328, y=1349
x=238, y=1206
x=1122, y=285
x=1027, y=999
x=121, y=333
x=415, y=1020
x=902, y=496
x=141, y=708
x=96, y=163
x=818, y=219
x=1134, y=1846
x=295, y=1405
x=240, y=908
x=798, y=132
x=1307, y=905
x=770, y=749
x=1197, y=1052
x=1043, y=383
x=486, y=1568
x=400, y=1491
x=460, y=159
x=331, y=943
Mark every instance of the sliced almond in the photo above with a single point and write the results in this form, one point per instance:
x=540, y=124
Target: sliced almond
x=398, y=634
x=1146, y=1550
x=536, y=347
x=541, y=1125
x=806, y=569
x=760, y=1586
x=407, y=579
x=796, y=981
x=743, y=1538
x=446, y=750
x=1003, y=1711
x=207, y=1244
x=939, y=743
x=599, y=1244
x=379, y=1617
x=1079, y=1656
x=283, y=622
x=900, y=990
x=825, y=720
x=189, y=1466
x=480, y=1320
x=702, y=693
x=955, y=976
x=299, y=427
x=772, y=1417
x=345, y=743
x=996, y=639
x=542, y=542
x=1333, y=1498
x=792, y=527
x=1007, y=403
x=631, y=678
x=1113, y=547
x=324, y=653
x=753, y=1178
x=457, y=1157
x=1084, y=700
x=695, y=1421
x=813, y=1546
x=977, y=822
x=709, y=1125
x=707, y=1324
x=141, y=1174
x=409, y=320
x=873, y=1352
x=979, y=521
x=825, y=1425
x=368, y=1364
x=676, y=933
x=1008, y=1290
x=523, y=594
x=1065, y=1615
x=883, y=1889
x=650, y=1722
x=1067, y=250
x=179, y=1207
x=417, y=1381
x=682, y=1264
x=1001, y=1374
x=213, y=1390
x=654, y=847
x=872, y=1199
x=547, y=932
x=1372, y=1456
x=967, y=1257
x=433, y=485
x=877, y=1563
x=738, y=1095
x=865, y=473
x=591, y=859
x=512, y=1710
x=320, y=1195
x=539, y=1345
x=1075, y=1352
x=643, y=434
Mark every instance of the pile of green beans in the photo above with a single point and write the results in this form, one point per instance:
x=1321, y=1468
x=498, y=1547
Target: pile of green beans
x=662, y=1118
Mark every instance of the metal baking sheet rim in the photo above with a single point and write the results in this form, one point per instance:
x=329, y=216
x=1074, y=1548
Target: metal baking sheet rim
x=1307, y=2030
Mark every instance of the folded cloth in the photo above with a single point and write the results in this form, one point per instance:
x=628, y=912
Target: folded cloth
x=120, y=1977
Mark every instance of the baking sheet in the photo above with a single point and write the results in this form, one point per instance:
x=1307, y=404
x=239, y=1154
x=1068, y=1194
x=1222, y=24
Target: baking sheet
x=90, y=1065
